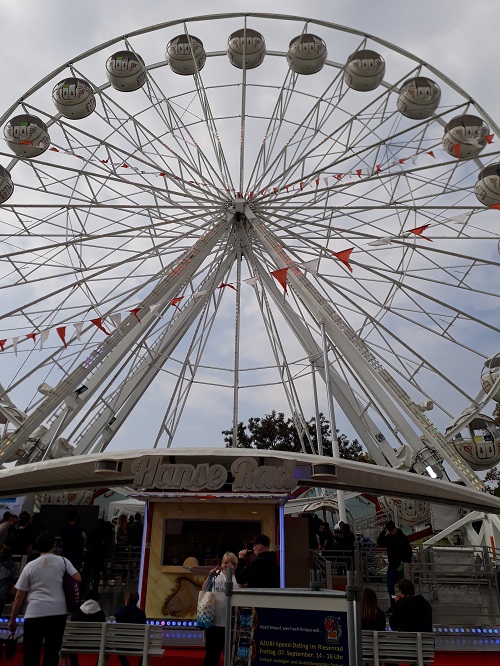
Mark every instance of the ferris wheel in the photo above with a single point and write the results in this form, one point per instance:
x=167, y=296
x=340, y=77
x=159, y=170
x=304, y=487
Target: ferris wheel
x=227, y=205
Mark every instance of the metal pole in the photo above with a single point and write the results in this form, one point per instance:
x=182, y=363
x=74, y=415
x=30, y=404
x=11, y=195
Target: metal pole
x=319, y=438
x=331, y=413
x=228, y=591
x=237, y=334
x=282, y=541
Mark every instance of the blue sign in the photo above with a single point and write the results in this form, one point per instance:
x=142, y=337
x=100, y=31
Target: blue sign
x=294, y=637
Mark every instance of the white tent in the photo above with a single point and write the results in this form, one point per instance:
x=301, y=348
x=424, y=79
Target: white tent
x=127, y=506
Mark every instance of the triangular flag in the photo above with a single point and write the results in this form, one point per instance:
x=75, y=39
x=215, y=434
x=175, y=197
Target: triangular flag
x=379, y=167
x=317, y=182
x=2, y=344
x=134, y=312
x=431, y=153
x=116, y=319
x=174, y=302
x=359, y=172
x=275, y=190
x=386, y=240
x=301, y=185
x=311, y=266
x=418, y=231
x=98, y=322
x=402, y=160
x=124, y=165
x=223, y=284
x=326, y=181
x=43, y=338
x=489, y=138
x=280, y=276
x=154, y=309
x=32, y=336
x=338, y=176
x=459, y=219
x=61, y=332
x=105, y=161
x=54, y=150
x=457, y=148
x=495, y=205
x=14, y=345
x=78, y=330
x=343, y=257
x=200, y=294
x=414, y=159
x=251, y=281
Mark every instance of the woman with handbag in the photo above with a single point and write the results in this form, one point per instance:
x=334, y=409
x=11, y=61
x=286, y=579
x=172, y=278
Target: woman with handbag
x=215, y=634
x=46, y=611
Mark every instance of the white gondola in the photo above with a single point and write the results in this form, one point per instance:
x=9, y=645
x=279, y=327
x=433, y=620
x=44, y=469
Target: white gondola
x=306, y=54
x=74, y=98
x=490, y=375
x=6, y=185
x=419, y=98
x=250, y=42
x=465, y=136
x=480, y=448
x=126, y=71
x=185, y=55
x=364, y=70
x=487, y=188
x=26, y=136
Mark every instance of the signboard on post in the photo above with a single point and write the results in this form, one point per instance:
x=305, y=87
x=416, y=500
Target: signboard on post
x=290, y=628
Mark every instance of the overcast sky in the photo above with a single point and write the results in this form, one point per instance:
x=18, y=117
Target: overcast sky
x=459, y=38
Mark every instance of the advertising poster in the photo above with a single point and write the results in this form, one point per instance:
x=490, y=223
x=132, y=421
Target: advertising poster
x=289, y=637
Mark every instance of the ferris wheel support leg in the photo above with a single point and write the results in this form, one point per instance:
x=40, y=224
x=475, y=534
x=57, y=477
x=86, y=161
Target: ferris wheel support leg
x=466, y=520
x=333, y=426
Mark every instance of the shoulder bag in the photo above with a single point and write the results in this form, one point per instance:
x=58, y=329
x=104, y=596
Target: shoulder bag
x=206, y=605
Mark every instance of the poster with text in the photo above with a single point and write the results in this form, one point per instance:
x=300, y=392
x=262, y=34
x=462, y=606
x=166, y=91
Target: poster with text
x=289, y=637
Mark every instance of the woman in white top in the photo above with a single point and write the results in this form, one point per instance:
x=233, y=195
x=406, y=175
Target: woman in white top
x=214, y=635
x=45, y=615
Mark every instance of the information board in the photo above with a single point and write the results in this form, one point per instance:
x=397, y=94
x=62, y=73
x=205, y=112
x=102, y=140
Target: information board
x=305, y=636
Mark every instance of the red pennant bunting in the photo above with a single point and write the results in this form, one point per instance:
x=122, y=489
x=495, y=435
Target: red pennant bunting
x=359, y=172
x=162, y=174
x=379, y=167
x=134, y=312
x=61, y=332
x=301, y=185
x=2, y=344
x=489, y=138
x=495, y=205
x=280, y=276
x=317, y=182
x=286, y=188
x=98, y=322
x=275, y=190
x=343, y=257
x=105, y=161
x=262, y=193
x=224, y=284
x=125, y=165
x=251, y=195
x=338, y=176
x=431, y=153
x=402, y=160
x=174, y=302
x=418, y=231
x=25, y=142
x=54, y=150
x=32, y=336
x=457, y=149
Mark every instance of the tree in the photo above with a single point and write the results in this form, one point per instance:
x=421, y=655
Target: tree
x=275, y=433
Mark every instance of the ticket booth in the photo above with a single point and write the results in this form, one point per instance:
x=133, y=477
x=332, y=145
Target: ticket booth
x=195, y=513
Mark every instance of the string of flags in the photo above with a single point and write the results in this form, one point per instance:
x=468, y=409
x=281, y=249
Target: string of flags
x=314, y=182
x=280, y=275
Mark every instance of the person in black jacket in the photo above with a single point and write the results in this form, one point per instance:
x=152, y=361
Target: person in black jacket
x=411, y=612
x=89, y=611
x=398, y=552
x=132, y=615
x=263, y=571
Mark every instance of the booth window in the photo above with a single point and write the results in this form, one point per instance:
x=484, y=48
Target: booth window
x=206, y=540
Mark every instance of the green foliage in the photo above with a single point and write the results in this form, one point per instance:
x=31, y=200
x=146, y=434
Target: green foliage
x=275, y=433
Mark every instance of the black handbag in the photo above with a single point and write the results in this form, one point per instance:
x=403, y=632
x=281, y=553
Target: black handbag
x=71, y=590
x=10, y=644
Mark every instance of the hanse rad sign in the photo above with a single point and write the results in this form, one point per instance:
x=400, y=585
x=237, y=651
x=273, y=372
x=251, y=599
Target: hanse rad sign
x=247, y=475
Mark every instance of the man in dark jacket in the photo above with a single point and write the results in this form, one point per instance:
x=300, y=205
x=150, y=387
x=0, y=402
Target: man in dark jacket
x=263, y=571
x=411, y=612
x=72, y=539
x=132, y=615
x=398, y=552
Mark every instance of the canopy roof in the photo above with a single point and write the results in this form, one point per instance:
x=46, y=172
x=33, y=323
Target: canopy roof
x=80, y=472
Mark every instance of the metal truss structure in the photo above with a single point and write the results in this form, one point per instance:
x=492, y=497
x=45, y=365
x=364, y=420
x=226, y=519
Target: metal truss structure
x=173, y=204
